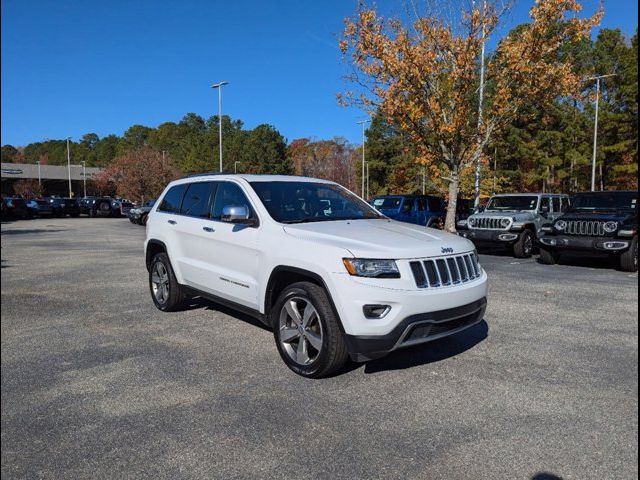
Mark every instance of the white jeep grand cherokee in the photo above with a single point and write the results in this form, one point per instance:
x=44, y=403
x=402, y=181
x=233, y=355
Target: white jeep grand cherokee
x=329, y=274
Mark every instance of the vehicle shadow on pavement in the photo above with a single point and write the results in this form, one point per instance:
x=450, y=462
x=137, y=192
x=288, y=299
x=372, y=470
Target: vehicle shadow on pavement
x=545, y=476
x=431, y=352
x=577, y=260
x=27, y=231
x=200, y=302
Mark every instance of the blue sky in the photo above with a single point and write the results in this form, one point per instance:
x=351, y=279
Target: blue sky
x=72, y=67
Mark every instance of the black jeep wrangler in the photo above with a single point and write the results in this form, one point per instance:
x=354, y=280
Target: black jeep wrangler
x=597, y=223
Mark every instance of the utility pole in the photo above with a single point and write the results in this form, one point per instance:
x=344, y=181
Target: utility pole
x=84, y=179
x=476, y=201
x=69, y=166
x=424, y=180
x=367, y=197
x=39, y=176
x=363, y=123
x=219, y=86
x=595, y=130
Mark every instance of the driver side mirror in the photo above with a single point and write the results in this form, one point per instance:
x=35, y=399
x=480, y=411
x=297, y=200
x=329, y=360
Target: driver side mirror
x=238, y=214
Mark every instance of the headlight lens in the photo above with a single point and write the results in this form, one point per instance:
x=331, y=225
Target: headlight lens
x=610, y=227
x=561, y=225
x=472, y=222
x=372, y=268
x=505, y=222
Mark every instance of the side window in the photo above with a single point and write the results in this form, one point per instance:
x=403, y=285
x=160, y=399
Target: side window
x=407, y=206
x=545, y=204
x=196, y=200
x=565, y=204
x=422, y=204
x=556, y=205
x=173, y=199
x=434, y=204
x=228, y=193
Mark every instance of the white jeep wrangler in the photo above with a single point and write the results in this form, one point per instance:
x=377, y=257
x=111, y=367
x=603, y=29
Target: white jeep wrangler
x=329, y=274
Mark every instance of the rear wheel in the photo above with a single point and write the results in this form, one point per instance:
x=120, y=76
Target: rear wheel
x=629, y=259
x=549, y=257
x=523, y=248
x=165, y=289
x=307, y=332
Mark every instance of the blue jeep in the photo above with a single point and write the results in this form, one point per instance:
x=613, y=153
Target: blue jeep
x=426, y=210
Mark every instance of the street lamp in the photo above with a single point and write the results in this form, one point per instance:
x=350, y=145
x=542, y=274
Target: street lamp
x=235, y=166
x=39, y=176
x=84, y=178
x=69, y=166
x=363, y=123
x=595, y=129
x=219, y=86
x=367, y=197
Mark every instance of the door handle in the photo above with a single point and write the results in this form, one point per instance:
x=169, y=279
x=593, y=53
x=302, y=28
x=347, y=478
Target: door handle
x=172, y=222
x=208, y=229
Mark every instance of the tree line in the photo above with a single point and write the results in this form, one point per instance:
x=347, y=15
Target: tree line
x=546, y=146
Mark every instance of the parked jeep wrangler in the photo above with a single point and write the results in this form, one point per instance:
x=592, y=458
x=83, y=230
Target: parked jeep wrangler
x=513, y=220
x=597, y=223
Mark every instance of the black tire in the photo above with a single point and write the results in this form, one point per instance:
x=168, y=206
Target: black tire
x=172, y=297
x=523, y=248
x=333, y=352
x=548, y=257
x=629, y=259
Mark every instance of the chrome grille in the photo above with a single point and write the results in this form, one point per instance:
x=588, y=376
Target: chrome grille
x=444, y=272
x=489, y=223
x=590, y=229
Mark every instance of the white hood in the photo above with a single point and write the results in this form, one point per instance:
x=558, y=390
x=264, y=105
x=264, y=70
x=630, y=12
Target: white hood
x=381, y=238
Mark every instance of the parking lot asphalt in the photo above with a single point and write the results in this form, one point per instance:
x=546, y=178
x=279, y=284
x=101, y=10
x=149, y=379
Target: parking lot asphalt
x=96, y=383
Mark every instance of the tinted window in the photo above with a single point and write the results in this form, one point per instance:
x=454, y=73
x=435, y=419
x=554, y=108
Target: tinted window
x=387, y=202
x=515, y=202
x=228, y=194
x=407, y=206
x=196, y=200
x=545, y=203
x=605, y=201
x=422, y=204
x=172, y=200
x=434, y=203
x=301, y=202
x=556, y=204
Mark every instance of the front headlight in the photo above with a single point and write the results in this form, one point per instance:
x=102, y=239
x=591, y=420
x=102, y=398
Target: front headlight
x=505, y=222
x=473, y=222
x=610, y=227
x=372, y=268
x=561, y=225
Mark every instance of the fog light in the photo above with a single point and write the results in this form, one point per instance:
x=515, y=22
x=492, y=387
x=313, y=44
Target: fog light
x=376, y=311
x=507, y=237
x=614, y=245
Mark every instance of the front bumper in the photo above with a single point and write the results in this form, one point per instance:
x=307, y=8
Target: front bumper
x=416, y=329
x=490, y=236
x=579, y=243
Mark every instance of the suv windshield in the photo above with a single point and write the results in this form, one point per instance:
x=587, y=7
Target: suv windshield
x=605, y=201
x=387, y=202
x=516, y=202
x=302, y=202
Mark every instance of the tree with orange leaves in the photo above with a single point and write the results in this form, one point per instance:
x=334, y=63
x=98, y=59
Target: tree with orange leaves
x=423, y=77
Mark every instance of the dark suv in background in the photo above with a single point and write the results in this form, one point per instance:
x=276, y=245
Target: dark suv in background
x=64, y=206
x=426, y=210
x=97, y=207
x=597, y=223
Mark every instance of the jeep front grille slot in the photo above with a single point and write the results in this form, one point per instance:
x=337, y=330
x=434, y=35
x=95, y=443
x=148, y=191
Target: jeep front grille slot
x=586, y=228
x=489, y=223
x=443, y=272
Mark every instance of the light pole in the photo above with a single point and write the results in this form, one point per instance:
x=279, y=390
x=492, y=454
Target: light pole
x=595, y=129
x=235, y=166
x=476, y=200
x=424, y=180
x=84, y=179
x=367, y=197
x=39, y=176
x=69, y=166
x=363, y=123
x=219, y=86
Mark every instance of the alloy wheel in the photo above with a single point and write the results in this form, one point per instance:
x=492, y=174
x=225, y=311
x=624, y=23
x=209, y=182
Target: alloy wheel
x=528, y=244
x=160, y=282
x=301, y=332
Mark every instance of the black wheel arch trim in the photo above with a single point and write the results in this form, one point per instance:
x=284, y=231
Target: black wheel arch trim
x=148, y=257
x=268, y=301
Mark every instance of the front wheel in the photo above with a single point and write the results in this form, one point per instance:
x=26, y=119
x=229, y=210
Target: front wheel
x=165, y=289
x=523, y=248
x=306, y=331
x=629, y=259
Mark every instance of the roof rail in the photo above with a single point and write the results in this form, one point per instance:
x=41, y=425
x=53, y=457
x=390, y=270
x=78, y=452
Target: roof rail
x=207, y=174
